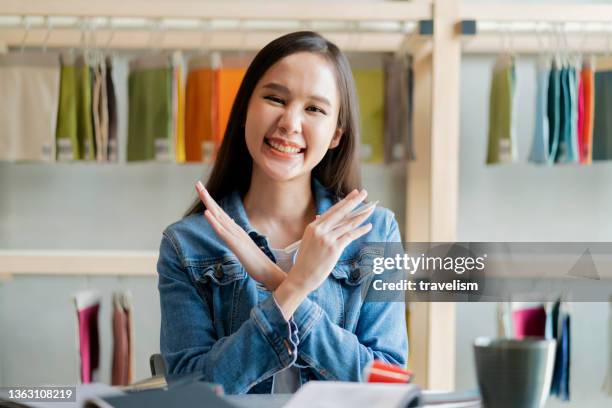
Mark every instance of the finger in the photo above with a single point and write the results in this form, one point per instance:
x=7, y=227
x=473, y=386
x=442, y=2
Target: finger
x=354, y=234
x=334, y=216
x=351, y=223
x=206, y=198
x=212, y=205
x=350, y=195
x=217, y=226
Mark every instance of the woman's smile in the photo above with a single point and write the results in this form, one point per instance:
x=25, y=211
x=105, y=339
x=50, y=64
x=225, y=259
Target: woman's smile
x=283, y=148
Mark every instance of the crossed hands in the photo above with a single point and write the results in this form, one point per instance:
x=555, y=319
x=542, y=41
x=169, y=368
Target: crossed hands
x=322, y=244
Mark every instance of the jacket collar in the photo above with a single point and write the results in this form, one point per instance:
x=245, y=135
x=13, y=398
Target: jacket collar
x=233, y=206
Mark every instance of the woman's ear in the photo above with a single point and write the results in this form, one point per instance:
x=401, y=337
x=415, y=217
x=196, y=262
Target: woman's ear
x=336, y=139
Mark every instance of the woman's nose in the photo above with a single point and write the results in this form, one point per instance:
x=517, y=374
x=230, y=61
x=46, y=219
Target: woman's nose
x=290, y=122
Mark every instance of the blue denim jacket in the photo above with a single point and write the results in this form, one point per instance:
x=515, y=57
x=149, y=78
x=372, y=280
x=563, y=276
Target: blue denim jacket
x=219, y=322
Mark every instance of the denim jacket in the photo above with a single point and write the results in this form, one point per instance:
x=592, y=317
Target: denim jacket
x=220, y=323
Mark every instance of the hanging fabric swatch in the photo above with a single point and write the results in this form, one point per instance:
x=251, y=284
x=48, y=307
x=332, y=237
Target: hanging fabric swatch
x=588, y=96
x=178, y=108
x=539, y=146
x=370, y=91
x=564, y=117
x=602, y=128
x=150, y=125
x=29, y=87
x=504, y=320
x=123, y=340
x=397, y=117
x=554, y=110
x=573, y=154
x=566, y=151
x=561, y=371
x=100, y=110
x=200, y=111
x=580, y=120
x=528, y=320
x=607, y=385
x=111, y=99
x=228, y=82
x=502, y=134
x=85, y=132
x=87, y=307
x=66, y=131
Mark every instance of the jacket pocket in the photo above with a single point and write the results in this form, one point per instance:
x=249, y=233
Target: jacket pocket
x=355, y=271
x=220, y=283
x=352, y=279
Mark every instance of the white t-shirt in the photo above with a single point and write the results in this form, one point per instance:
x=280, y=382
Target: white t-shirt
x=286, y=381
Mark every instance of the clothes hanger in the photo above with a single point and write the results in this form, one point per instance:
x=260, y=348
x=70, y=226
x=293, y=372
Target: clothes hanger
x=47, y=34
x=26, y=23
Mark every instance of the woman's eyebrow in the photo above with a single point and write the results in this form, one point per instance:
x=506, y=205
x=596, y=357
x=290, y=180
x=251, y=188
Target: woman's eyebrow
x=283, y=89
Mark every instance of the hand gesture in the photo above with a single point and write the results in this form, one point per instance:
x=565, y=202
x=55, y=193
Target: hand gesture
x=322, y=244
x=255, y=262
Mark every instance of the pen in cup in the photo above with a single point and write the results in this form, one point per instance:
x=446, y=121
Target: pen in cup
x=356, y=212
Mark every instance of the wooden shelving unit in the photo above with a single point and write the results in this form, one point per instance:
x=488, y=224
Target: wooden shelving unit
x=432, y=182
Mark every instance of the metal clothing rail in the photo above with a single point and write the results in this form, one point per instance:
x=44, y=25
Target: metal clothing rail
x=535, y=28
x=210, y=25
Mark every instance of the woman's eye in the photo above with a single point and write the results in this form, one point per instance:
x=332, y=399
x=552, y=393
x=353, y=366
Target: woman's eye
x=274, y=99
x=316, y=109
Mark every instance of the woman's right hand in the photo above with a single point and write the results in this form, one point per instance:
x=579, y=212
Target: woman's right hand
x=322, y=244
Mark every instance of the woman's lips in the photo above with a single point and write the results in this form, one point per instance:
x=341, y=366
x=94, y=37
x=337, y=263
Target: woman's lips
x=283, y=148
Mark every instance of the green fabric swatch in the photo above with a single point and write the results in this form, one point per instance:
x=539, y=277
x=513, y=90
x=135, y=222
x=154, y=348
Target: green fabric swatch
x=150, y=114
x=501, y=134
x=66, y=135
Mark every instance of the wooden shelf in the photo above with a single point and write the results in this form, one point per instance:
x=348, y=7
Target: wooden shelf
x=61, y=262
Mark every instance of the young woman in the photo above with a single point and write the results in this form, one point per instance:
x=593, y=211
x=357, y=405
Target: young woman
x=236, y=308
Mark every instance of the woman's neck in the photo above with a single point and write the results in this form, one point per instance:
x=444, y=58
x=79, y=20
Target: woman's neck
x=280, y=210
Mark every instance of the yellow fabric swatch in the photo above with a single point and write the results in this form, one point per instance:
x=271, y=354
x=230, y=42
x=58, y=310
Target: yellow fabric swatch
x=179, y=120
x=370, y=90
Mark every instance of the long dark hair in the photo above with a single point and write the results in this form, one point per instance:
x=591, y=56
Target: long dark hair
x=338, y=170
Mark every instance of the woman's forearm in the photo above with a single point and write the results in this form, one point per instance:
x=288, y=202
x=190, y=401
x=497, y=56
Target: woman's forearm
x=289, y=295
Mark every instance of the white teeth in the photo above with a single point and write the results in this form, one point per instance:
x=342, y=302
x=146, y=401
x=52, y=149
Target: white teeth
x=284, y=149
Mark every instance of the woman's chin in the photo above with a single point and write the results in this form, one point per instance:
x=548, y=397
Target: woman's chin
x=282, y=171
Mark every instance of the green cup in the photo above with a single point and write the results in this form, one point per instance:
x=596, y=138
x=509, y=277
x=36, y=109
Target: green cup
x=514, y=373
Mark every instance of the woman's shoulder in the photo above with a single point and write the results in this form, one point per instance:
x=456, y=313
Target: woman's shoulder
x=383, y=224
x=195, y=240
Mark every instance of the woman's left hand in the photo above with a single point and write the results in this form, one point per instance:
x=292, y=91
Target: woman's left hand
x=255, y=262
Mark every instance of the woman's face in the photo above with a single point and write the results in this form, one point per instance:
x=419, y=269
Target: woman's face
x=292, y=116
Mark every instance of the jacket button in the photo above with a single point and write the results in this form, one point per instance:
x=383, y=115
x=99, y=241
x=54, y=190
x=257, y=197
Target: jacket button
x=218, y=272
x=355, y=274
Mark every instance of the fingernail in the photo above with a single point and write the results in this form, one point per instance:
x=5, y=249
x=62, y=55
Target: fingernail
x=199, y=186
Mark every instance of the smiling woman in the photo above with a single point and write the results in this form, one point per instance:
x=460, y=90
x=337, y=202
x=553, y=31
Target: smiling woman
x=236, y=307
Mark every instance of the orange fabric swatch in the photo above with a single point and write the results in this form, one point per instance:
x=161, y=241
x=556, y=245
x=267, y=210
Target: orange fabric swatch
x=228, y=82
x=200, y=112
x=589, y=111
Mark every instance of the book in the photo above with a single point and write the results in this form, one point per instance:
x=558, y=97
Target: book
x=340, y=394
